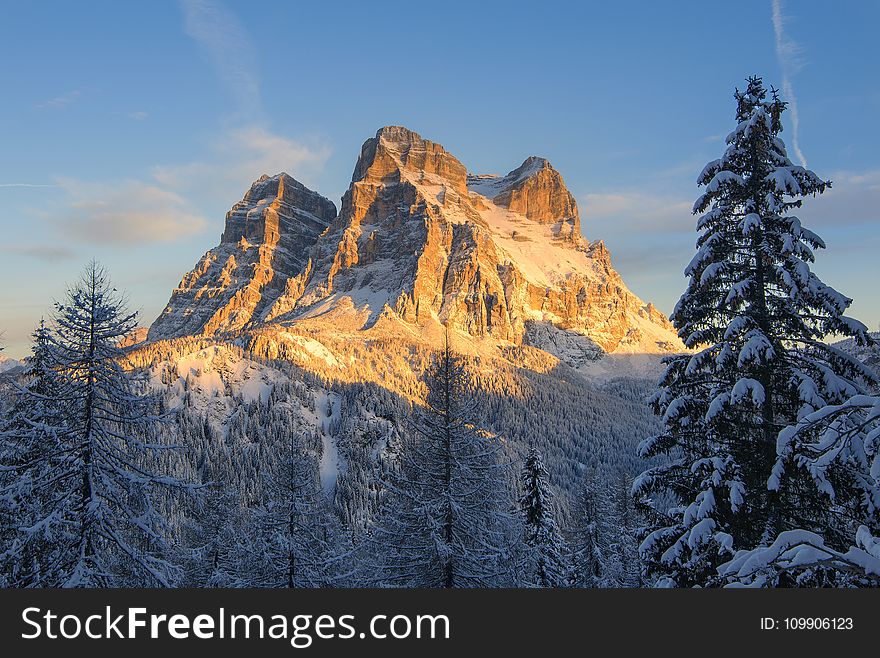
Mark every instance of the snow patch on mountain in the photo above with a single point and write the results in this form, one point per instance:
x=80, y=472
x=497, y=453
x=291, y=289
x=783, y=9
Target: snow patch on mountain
x=207, y=375
x=327, y=406
x=310, y=348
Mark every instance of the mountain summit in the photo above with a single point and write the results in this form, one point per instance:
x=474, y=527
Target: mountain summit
x=418, y=243
x=266, y=241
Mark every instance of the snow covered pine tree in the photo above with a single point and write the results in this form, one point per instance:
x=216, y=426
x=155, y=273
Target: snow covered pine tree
x=28, y=436
x=294, y=544
x=585, y=537
x=603, y=546
x=542, y=538
x=837, y=449
x=445, y=522
x=756, y=317
x=622, y=563
x=90, y=520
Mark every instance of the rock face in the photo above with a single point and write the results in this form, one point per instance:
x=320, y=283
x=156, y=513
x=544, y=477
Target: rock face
x=534, y=189
x=419, y=241
x=265, y=243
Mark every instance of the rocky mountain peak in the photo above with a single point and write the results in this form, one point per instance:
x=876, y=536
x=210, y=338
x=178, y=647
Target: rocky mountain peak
x=418, y=243
x=266, y=241
x=274, y=205
x=396, y=149
x=536, y=190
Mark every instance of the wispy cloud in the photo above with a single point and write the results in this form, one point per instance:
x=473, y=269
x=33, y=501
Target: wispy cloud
x=788, y=52
x=46, y=253
x=226, y=44
x=242, y=152
x=60, y=102
x=162, y=206
x=240, y=156
x=635, y=210
x=127, y=212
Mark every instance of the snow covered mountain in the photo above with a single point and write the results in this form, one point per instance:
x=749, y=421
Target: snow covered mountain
x=867, y=354
x=316, y=323
x=419, y=243
x=7, y=364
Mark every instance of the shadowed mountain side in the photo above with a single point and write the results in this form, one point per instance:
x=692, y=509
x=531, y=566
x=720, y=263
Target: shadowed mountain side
x=353, y=398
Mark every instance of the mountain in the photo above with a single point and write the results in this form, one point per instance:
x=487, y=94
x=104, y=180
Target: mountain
x=7, y=364
x=311, y=323
x=867, y=354
x=419, y=243
x=265, y=244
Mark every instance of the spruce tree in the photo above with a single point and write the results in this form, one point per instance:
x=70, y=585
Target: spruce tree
x=30, y=442
x=622, y=563
x=92, y=490
x=755, y=318
x=445, y=521
x=542, y=538
x=586, y=545
x=293, y=544
x=211, y=554
x=834, y=452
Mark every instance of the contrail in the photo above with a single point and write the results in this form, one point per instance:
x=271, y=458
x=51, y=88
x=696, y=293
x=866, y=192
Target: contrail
x=224, y=40
x=26, y=185
x=787, y=53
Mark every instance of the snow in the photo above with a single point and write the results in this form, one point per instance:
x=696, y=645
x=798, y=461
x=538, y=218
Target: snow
x=747, y=388
x=491, y=185
x=329, y=466
x=535, y=251
x=538, y=254
x=198, y=369
x=709, y=170
x=800, y=549
x=487, y=185
x=756, y=349
x=255, y=390
x=213, y=372
x=568, y=346
x=623, y=364
x=309, y=347
x=784, y=182
x=750, y=223
x=866, y=541
x=724, y=177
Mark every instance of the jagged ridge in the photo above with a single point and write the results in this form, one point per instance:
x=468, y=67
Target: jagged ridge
x=265, y=243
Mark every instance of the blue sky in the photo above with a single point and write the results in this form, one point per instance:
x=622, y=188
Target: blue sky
x=128, y=129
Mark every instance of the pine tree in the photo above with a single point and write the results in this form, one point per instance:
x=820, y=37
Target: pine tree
x=94, y=517
x=586, y=544
x=29, y=442
x=294, y=536
x=542, y=537
x=836, y=451
x=622, y=564
x=212, y=555
x=755, y=316
x=445, y=521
